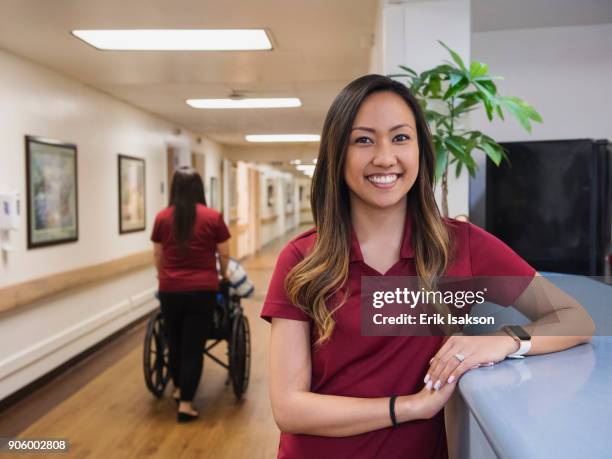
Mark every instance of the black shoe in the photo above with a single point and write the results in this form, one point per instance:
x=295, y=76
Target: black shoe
x=186, y=417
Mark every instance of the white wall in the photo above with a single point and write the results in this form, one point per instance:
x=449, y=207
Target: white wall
x=564, y=72
x=35, y=101
x=409, y=34
x=213, y=156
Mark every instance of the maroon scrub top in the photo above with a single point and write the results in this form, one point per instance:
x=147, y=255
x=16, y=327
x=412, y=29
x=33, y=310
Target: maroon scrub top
x=195, y=268
x=380, y=366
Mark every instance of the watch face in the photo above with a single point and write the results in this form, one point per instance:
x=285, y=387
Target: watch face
x=520, y=332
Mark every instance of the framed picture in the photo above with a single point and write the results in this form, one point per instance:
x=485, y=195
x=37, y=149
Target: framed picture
x=270, y=193
x=52, y=201
x=132, y=190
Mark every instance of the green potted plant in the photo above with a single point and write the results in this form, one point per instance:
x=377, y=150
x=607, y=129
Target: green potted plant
x=447, y=93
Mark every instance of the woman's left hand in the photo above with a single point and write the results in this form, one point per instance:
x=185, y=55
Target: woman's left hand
x=462, y=353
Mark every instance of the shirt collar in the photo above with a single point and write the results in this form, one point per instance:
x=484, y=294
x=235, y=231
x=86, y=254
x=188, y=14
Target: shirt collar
x=406, y=250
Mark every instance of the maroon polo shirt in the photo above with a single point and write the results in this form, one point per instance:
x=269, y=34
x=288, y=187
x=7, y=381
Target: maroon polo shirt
x=194, y=268
x=379, y=366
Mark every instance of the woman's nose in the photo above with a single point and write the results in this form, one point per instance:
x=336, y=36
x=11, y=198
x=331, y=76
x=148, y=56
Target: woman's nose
x=384, y=155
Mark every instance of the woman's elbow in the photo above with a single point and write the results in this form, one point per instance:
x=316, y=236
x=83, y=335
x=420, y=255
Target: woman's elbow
x=589, y=328
x=285, y=420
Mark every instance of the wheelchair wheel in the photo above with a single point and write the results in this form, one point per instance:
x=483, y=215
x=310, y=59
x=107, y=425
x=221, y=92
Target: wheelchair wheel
x=240, y=355
x=156, y=367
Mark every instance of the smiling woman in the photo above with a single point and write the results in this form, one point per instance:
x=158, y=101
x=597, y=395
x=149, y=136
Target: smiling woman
x=334, y=392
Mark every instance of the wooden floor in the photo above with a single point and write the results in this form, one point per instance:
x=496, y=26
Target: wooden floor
x=115, y=416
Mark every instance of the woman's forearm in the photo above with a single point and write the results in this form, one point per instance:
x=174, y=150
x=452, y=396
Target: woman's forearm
x=223, y=264
x=336, y=416
x=560, y=330
x=157, y=256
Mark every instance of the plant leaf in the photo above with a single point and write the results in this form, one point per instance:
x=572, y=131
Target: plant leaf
x=491, y=152
x=499, y=110
x=458, y=169
x=408, y=70
x=455, y=56
x=454, y=89
x=478, y=69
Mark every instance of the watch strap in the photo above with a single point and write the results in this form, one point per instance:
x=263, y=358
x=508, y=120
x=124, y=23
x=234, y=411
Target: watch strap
x=524, y=348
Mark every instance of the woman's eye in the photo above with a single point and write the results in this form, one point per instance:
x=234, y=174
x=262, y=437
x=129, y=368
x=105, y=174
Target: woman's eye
x=402, y=137
x=362, y=140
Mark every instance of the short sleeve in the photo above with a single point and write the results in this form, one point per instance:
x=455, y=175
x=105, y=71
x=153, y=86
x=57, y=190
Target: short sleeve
x=276, y=303
x=156, y=233
x=490, y=257
x=222, y=233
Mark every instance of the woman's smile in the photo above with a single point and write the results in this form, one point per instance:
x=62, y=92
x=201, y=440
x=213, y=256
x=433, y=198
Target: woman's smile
x=383, y=181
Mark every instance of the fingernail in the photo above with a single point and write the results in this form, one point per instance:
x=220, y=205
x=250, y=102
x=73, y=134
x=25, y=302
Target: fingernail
x=428, y=386
x=437, y=385
x=451, y=378
x=431, y=360
x=427, y=377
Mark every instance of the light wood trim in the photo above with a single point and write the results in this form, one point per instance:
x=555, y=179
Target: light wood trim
x=238, y=228
x=36, y=289
x=268, y=220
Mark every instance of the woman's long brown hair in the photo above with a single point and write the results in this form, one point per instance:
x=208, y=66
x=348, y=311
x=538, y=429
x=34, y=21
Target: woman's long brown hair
x=186, y=192
x=324, y=271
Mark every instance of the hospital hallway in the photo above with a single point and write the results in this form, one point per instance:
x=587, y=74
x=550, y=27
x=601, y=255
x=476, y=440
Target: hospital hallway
x=104, y=409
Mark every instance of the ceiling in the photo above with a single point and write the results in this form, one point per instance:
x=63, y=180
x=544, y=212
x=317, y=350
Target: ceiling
x=318, y=47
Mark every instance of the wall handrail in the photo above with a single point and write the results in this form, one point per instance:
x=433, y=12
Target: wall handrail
x=33, y=290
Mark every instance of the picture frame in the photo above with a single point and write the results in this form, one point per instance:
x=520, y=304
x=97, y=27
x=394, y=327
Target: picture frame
x=270, y=193
x=52, y=192
x=131, y=173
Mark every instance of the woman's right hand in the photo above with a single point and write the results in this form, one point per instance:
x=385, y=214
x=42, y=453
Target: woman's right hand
x=429, y=402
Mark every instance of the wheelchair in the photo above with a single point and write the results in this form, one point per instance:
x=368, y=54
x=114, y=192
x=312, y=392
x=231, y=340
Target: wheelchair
x=230, y=324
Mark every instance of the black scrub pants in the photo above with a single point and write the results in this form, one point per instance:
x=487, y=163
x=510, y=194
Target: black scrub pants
x=188, y=321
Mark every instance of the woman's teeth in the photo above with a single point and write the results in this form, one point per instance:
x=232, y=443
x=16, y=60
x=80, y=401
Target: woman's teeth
x=383, y=179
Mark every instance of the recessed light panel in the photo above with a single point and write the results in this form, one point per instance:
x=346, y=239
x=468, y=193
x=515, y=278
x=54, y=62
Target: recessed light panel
x=244, y=103
x=176, y=39
x=284, y=138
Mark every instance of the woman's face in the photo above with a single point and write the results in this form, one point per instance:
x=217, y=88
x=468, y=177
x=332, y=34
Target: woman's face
x=382, y=159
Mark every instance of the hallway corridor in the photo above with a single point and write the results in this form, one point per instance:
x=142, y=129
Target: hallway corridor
x=114, y=415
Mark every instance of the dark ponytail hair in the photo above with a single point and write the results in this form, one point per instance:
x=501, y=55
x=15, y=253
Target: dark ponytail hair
x=186, y=192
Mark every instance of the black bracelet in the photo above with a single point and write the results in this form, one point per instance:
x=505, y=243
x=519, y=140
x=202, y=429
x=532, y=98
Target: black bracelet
x=392, y=410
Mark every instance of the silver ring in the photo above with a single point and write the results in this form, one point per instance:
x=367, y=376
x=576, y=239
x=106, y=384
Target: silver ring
x=459, y=357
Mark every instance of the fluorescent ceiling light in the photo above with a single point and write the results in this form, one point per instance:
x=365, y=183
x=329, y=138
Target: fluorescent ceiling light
x=176, y=39
x=283, y=138
x=245, y=103
x=305, y=167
